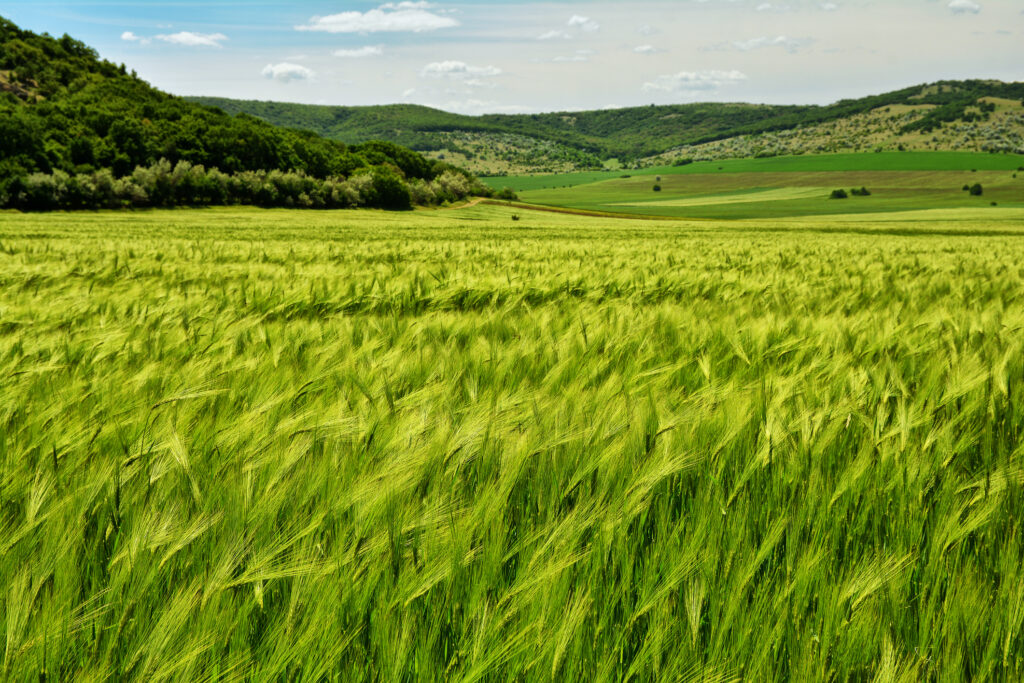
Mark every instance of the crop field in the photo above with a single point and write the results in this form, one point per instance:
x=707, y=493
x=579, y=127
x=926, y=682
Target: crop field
x=810, y=163
x=738, y=195
x=446, y=445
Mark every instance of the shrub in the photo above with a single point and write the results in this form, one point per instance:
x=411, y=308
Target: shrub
x=392, y=193
x=976, y=190
x=838, y=194
x=966, y=188
x=657, y=188
x=507, y=193
x=682, y=162
x=862, y=192
x=422, y=193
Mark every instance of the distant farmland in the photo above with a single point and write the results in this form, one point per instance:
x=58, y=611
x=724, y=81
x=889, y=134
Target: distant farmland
x=787, y=186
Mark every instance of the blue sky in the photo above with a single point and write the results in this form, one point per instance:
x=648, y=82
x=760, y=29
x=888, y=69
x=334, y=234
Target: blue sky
x=475, y=56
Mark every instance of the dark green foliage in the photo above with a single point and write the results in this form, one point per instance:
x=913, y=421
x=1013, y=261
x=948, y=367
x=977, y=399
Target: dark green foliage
x=976, y=190
x=966, y=188
x=682, y=162
x=506, y=193
x=69, y=114
x=389, y=191
x=626, y=134
x=838, y=194
x=657, y=188
x=185, y=184
x=861, y=192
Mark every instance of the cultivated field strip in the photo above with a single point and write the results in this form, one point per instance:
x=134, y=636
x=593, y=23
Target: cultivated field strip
x=244, y=445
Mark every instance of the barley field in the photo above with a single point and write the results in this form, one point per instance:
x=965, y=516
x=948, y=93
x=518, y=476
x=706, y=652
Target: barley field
x=446, y=445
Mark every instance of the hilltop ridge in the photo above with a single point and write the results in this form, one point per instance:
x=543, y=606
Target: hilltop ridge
x=493, y=144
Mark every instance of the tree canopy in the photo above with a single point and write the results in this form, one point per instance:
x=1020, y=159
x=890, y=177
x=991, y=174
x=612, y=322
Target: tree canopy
x=63, y=110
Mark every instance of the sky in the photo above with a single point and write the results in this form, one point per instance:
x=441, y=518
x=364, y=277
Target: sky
x=475, y=57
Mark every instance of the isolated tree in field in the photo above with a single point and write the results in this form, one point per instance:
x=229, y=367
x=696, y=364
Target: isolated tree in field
x=976, y=190
x=838, y=194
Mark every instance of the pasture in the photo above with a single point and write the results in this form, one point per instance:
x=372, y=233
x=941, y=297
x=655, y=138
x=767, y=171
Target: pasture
x=243, y=444
x=810, y=163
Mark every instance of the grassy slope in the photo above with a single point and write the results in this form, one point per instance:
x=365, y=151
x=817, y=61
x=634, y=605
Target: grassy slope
x=884, y=161
x=446, y=445
x=889, y=128
x=788, y=186
x=639, y=132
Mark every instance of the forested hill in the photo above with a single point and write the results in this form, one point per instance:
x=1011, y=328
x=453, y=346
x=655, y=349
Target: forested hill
x=80, y=132
x=592, y=137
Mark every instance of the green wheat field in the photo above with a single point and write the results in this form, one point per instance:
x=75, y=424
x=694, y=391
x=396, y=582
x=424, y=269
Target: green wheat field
x=448, y=445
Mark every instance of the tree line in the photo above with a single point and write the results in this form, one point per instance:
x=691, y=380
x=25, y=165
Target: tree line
x=80, y=132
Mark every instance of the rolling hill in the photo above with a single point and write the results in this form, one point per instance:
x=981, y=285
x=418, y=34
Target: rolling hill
x=80, y=132
x=949, y=115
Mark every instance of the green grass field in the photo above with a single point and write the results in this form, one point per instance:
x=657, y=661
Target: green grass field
x=797, y=186
x=884, y=161
x=446, y=445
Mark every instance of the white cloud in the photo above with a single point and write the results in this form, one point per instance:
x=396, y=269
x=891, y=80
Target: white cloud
x=475, y=106
x=286, y=72
x=458, y=71
x=585, y=23
x=359, y=52
x=790, y=44
x=554, y=35
x=412, y=17
x=693, y=81
x=578, y=57
x=964, y=7
x=130, y=37
x=645, y=50
x=194, y=39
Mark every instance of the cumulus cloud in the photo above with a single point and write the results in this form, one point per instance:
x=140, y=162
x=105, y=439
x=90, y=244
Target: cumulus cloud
x=585, y=23
x=360, y=52
x=191, y=39
x=554, y=35
x=694, y=81
x=458, y=70
x=964, y=7
x=476, y=106
x=286, y=72
x=410, y=17
x=789, y=44
x=580, y=56
x=465, y=74
x=645, y=50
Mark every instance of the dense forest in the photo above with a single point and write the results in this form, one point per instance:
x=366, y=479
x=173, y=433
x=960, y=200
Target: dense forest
x=80, y=132
x=624, y=134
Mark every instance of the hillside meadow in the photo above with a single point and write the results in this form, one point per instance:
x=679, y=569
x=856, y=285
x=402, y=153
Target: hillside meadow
x=786, y=187
x=241, y=444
